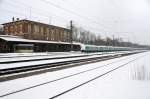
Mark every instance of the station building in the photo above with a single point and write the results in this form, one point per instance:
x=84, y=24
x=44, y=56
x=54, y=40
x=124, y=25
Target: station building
x=31, y=36
x=37, y=31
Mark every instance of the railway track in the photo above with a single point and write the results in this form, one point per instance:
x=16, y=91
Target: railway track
x=29, y=55
x=20, y=72
x=17, y=61
x=69, y=76
x=20, y=56
x=93, y=79
x=44, y=57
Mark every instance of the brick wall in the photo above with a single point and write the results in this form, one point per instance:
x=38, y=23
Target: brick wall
x=38, y=31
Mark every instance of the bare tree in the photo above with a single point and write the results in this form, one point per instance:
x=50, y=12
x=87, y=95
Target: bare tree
x=87, y=37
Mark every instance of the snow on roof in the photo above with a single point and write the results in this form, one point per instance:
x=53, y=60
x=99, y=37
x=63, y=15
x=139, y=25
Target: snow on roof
x=11, y=38
x=36, y=23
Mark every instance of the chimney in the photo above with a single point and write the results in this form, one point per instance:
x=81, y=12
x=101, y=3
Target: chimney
x=13, y=19
x=17, y=19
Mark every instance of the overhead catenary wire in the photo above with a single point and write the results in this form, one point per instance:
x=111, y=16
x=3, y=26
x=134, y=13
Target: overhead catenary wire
x=42, y=13
x=79, y=9
x=36, y=13
x=25, y=17
x=74, y=13
x=40, y=16
x=28, y=7
x=37, y=17
x=17, y=13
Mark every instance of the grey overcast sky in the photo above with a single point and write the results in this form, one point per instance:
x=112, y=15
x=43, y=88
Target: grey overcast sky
x=128, y=19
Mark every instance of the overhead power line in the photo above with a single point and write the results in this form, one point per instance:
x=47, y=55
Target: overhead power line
x=24, y=16
x=47, y=14
x=43, y=13
x=79, y=9
x=38, y=11
x=74, y=13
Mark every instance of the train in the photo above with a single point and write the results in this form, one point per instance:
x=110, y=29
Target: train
x=77, y=47
x=95, y=48
x=16, y=44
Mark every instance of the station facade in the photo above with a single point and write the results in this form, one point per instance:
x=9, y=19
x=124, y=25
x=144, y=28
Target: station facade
x=31, y=36
x=37, y=31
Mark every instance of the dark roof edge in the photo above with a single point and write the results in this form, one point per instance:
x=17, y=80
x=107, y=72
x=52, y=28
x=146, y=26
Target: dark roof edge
x=35, y=22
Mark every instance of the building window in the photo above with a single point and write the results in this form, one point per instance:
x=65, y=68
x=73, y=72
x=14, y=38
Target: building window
x=65, y=36
x=15, y=28
x=47, y=33
x=36, y=28
x=56, y=34
x=29, y=28
x=47, y=30
x=52, y=33
x=6, y=29
x=62, y=35
x=42, y=31
x=68, y=36
x=20, y=28
x=11, y=29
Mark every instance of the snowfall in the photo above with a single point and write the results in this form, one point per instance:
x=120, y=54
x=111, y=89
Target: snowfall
x=131, y=81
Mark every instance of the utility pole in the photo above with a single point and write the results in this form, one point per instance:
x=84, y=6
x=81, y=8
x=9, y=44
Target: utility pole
x=71, y=30
x=30, y=13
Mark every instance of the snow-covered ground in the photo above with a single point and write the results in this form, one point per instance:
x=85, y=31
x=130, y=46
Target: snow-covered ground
x=7, y=55
x=41, y=62
x=49, y=60
x=120, y=84
x=130, y=82
x=33, y=56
